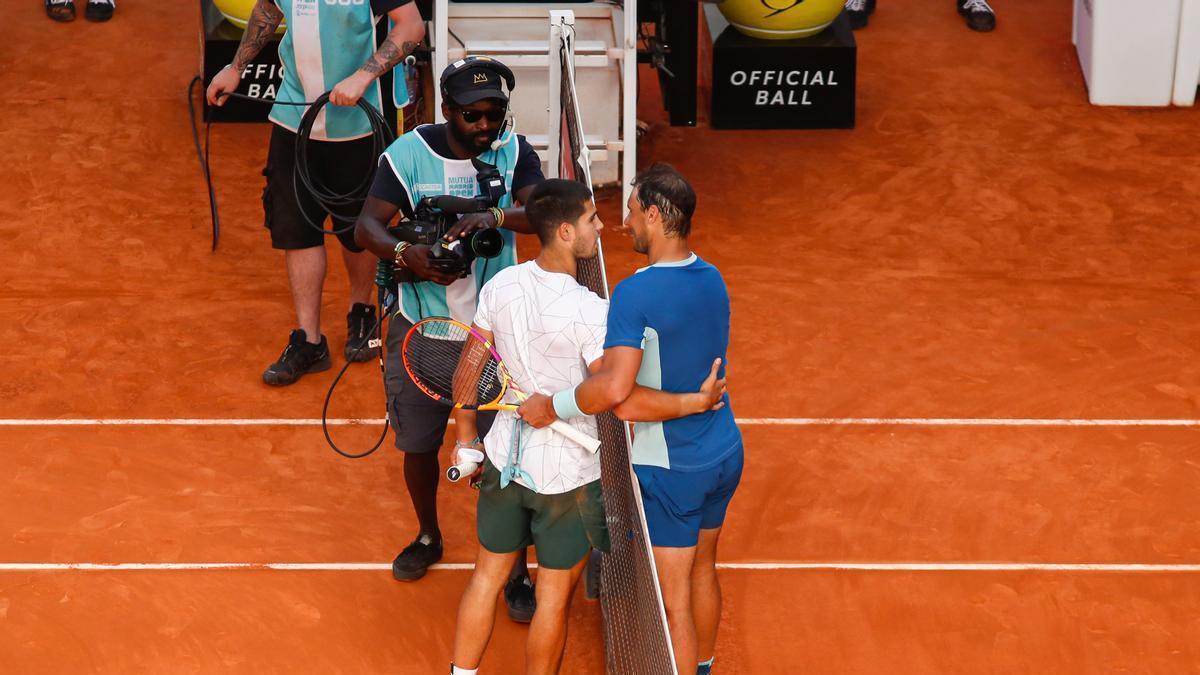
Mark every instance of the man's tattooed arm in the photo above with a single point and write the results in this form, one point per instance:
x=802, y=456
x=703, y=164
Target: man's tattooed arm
x=387, y=56
x=264, y=19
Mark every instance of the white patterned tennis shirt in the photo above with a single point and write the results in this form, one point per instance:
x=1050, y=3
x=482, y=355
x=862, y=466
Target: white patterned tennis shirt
x=547, y=328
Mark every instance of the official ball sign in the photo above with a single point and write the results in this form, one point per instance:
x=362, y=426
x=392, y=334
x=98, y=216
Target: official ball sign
x=260, y=79
x=783, y=87
x=784, y=84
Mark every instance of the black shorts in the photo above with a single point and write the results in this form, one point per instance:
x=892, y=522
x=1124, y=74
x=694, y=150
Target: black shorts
x=339, y=166
x=419, y=421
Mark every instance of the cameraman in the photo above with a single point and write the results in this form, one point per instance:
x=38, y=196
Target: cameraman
x=431, y=160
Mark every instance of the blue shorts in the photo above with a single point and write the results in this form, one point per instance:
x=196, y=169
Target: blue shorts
x=679, y=504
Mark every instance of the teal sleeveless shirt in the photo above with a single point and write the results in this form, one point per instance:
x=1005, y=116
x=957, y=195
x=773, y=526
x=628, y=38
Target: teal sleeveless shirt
x=326, y=42
x=424, y=173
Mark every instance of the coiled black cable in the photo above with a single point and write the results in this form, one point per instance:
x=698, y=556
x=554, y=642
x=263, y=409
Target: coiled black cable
x=381, y=137
x=381, y=134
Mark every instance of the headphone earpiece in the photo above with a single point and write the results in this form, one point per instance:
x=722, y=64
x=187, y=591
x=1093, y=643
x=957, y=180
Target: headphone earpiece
x=510, y=126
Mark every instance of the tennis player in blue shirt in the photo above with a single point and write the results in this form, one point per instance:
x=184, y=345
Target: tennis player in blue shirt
x=667, y=324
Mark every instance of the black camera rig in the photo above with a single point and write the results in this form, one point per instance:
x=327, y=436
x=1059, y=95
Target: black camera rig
x=432, y=219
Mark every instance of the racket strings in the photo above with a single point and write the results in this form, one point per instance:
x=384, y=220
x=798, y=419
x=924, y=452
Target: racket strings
x=448, y=361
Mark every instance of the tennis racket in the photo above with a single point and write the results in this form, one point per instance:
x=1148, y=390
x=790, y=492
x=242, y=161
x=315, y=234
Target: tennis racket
x=455, y=365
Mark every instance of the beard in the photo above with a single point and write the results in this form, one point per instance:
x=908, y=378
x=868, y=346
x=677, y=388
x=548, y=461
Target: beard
x=479, y=143
x=640, y=245
x=587, y=252
x=482, y=142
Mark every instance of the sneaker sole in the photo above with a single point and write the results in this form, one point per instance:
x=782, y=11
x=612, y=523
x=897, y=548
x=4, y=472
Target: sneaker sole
x=520, y=616
x=318, y=367
x=405, y=575
x=365, y=355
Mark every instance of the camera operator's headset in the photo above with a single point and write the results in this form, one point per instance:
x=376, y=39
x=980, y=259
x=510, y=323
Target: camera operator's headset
x=509, y=127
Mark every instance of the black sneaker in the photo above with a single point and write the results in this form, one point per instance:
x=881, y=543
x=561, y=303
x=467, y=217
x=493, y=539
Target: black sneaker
x=60, y=10
x=859, y=11
x=414, y=561
x=360, y=330
x=100, y=10
x=978, y=13
x=298, y=358
x=520, y=598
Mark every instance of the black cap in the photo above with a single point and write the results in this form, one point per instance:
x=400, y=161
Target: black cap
x=466, y=82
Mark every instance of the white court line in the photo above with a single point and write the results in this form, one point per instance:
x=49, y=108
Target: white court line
x=848, y=566
x=745, y=421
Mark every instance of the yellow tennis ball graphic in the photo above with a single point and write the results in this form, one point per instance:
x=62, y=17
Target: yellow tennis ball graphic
x=781, y=19
x=238, y=12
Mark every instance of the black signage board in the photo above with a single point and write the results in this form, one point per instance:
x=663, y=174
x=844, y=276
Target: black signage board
x=806, y=83
x=260, y=79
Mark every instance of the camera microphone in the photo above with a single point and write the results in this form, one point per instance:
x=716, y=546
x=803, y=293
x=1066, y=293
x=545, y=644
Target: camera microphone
x=452, y=204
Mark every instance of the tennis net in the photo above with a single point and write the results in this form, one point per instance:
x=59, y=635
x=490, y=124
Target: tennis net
x=636, y=637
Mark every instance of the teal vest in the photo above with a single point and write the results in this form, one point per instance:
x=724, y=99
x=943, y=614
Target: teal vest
x=326, y=42
x=424, y=173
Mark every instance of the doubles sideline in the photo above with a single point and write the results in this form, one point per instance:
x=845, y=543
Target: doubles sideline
x=745, y=421
x=750, y=566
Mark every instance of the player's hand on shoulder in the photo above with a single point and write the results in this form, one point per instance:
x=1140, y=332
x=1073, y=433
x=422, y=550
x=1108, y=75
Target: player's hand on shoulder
x=538, y=411
x=712, y=391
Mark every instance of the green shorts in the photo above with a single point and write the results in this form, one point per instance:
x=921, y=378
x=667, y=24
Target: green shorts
x=562, y=527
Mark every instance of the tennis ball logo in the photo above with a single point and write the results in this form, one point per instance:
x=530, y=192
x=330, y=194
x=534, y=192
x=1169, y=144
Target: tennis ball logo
x=781, y=19
x=237, y=12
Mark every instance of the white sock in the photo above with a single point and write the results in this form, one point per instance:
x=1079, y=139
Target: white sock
x=455, y=670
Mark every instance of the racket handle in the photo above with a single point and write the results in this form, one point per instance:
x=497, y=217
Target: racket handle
x=459, y=470
x=576, y=435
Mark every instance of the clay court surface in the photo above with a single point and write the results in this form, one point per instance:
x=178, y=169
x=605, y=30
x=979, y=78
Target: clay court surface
x=984, y=251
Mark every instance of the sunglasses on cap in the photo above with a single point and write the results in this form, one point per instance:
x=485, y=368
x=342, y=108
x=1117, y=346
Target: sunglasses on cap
x=473, y=116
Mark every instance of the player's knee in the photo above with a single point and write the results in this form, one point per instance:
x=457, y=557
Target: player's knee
x=553, y=601
x=487, y=585
x=679, y=612
x=678, y=597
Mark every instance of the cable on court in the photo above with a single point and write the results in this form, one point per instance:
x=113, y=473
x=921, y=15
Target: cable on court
x=382, y=137
x=387, y=304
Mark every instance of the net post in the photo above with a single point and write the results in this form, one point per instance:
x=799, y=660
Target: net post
x=554, y=109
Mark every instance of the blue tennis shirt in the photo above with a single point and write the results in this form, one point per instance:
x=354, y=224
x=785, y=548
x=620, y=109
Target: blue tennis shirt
x=678, y=315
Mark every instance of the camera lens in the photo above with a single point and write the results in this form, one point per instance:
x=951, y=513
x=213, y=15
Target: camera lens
x=486, y=243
